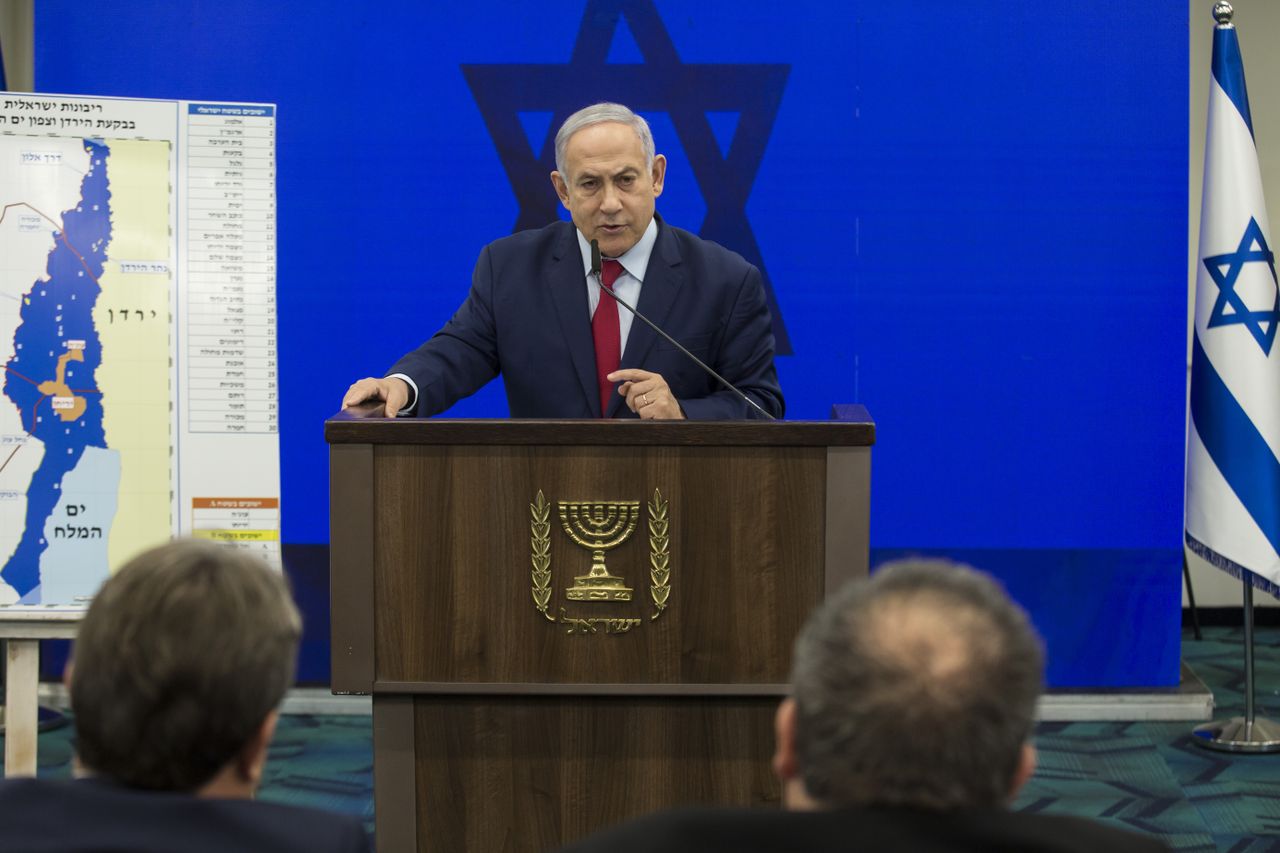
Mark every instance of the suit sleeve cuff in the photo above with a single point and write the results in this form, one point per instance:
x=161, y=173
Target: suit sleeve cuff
x=413, y=397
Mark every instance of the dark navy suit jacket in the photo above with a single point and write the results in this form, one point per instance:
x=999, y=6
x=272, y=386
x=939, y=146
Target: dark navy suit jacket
x=871, y=829
x=527, y=317
x=96, y=816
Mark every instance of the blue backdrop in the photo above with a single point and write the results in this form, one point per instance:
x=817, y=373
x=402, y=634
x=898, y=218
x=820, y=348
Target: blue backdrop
x=972, y=216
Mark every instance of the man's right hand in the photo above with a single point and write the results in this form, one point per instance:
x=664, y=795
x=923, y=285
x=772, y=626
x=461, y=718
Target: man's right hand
x=394, y=392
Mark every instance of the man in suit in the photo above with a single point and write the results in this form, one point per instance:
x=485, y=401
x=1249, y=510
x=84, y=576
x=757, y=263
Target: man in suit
x=565, y=349
x=909, y=728
x=180, y=663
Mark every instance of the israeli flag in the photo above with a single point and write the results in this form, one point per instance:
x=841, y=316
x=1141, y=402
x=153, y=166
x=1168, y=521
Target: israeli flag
x=1233, y=442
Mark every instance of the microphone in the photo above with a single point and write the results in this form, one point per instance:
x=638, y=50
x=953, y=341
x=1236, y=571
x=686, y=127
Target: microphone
x=595, y=270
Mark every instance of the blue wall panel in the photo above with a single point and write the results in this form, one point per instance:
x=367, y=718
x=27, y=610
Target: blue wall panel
x=973, y=217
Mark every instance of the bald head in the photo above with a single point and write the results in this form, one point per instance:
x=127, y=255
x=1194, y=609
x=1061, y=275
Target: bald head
x=916, y=688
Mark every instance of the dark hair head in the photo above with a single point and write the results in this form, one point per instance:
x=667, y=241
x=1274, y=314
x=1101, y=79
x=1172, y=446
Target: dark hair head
x=180, y=658
x=917, y=687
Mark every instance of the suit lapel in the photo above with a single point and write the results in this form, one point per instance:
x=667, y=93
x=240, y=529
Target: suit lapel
x=662, y=281
x=569, y=292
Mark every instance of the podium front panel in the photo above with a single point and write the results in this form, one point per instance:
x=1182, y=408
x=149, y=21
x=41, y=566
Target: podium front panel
x=485, y=570
x=532, y=773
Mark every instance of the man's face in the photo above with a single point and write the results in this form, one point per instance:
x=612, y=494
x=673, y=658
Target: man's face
x=606, y=187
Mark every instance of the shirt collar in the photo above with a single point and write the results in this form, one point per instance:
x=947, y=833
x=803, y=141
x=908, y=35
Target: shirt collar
x=635, y=260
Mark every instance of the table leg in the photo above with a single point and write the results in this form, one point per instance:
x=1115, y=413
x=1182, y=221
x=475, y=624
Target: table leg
x=21, y=707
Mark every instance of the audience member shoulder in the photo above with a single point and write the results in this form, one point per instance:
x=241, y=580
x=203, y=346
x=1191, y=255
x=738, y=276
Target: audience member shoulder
x=867, y=829
x=78, y=816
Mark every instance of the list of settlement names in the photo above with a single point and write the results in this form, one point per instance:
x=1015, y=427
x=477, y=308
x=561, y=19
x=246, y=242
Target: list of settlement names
x=231, y=286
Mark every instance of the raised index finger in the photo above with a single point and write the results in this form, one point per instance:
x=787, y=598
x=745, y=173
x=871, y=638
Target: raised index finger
x=630, y=374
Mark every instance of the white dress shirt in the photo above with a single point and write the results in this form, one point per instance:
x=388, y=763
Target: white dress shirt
x=635, y=262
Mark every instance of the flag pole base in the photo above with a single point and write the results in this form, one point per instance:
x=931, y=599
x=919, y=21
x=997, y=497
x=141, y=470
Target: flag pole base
x=1260, y=735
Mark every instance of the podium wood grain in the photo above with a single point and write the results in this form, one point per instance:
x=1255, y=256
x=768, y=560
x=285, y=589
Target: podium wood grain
x=562, y=767
x=455, y=604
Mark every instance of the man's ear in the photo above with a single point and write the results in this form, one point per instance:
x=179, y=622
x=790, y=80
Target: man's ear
x=67, y=672
x=1025, y=770
x=785, y=765
x=659, y=174
x=253, y=756
x=562, y=188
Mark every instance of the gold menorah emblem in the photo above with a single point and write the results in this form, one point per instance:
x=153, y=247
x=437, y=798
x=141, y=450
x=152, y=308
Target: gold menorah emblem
x=599, y=526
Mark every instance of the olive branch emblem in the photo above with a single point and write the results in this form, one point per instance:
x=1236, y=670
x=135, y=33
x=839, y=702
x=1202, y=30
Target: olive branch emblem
x=659, y=554
x=540, y=530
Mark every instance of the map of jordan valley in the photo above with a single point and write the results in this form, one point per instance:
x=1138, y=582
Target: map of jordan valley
x=85, y=415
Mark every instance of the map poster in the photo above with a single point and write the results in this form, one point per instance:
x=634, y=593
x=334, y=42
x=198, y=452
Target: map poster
x=137, y=330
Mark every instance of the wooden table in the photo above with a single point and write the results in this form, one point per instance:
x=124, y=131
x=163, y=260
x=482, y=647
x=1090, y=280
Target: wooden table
x=22, y=627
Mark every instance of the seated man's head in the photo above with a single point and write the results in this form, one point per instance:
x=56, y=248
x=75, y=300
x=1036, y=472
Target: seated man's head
x=915, y=688
x=178, y=668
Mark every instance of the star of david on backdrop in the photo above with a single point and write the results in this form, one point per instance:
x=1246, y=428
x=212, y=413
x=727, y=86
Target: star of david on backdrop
x=662, y=83
x=1225, y=270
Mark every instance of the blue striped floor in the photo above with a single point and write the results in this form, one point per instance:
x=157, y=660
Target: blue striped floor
x=1144, y=776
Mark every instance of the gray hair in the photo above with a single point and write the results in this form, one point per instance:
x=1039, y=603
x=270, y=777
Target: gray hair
x=180, y=658
x=599, y=114
x=915, y=688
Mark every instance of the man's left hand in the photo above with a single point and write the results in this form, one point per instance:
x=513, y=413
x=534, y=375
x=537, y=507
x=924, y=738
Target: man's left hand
x=647, y=394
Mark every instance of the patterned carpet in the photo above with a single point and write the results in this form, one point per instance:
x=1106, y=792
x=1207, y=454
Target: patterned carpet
x=1150, y=777
x=1144, y=776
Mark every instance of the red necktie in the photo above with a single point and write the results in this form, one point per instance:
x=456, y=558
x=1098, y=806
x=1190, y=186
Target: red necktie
x=606, y=334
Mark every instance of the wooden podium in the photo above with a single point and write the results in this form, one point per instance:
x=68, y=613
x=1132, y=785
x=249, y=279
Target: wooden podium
x=568, y=623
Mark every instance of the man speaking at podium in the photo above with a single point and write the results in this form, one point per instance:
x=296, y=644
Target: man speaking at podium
x=540, y=314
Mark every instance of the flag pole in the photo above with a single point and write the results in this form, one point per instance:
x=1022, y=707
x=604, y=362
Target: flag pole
x=1191, y=597
x=1249, y=733
x=1248, y=656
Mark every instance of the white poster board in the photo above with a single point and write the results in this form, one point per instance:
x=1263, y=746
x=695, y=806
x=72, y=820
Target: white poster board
x=137, y=334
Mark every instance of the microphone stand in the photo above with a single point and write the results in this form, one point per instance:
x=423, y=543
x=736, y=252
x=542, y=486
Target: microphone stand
x=595, y=270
